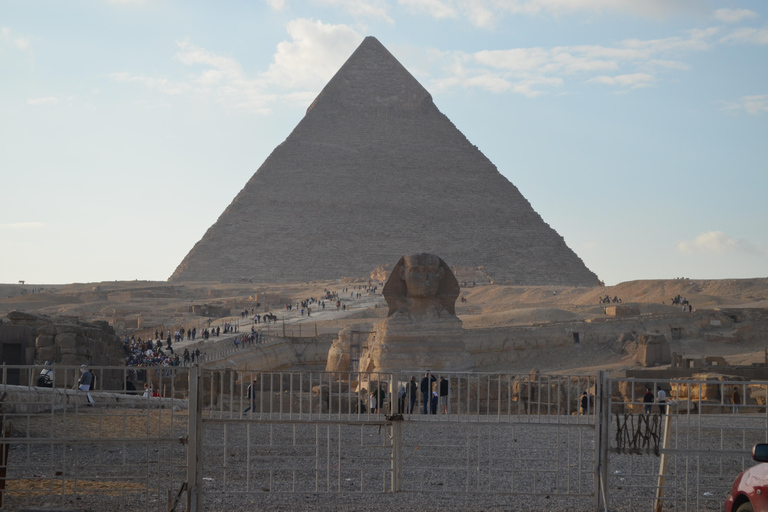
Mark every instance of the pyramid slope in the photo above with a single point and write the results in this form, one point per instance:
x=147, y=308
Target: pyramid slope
x=372, y=172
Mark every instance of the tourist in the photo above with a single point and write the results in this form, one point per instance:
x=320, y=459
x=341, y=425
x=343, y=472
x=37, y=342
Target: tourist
x=426, y=391
x=401, y=399
x=444, y=387
x=584, y=404
x=85, y=382
x=648, y=400
x=251, y=396
x=736, y=400
x=45, y=380
x=662, y=399
x=411, y=389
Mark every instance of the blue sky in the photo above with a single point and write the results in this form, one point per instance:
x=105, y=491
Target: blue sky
x=637, y=129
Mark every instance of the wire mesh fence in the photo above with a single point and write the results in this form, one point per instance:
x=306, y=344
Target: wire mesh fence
x=97, y=446
x=196, y=438
x=708, y=441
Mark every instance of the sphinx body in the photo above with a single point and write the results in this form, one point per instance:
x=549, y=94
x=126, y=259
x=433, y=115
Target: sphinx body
x=421, y=331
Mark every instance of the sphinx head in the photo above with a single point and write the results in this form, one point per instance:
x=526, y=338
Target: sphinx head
x=422, y=275
x=421, y=279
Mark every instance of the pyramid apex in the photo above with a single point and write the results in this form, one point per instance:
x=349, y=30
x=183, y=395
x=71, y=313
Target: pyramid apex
x=372, y=79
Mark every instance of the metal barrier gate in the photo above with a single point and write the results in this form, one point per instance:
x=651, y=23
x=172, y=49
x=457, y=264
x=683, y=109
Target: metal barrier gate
x=261, y=434
x=687, y=458
x=213, y=440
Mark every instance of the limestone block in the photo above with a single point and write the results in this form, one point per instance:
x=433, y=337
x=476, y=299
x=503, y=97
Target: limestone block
x=757, y=394
x=46, y=353
x=44, y=341
x=67, y=340
x=81, y=354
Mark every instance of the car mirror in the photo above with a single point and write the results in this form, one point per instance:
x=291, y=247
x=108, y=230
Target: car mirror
x=760, y=452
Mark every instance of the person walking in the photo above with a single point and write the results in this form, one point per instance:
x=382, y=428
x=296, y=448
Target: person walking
x=662, y=399
x=85, y=382
x=584, y=404
x=736, y=400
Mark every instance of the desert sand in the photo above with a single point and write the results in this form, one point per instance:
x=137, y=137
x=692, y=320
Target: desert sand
x=486, y=306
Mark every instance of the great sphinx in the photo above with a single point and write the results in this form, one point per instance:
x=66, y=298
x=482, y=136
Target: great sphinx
x=421, y=330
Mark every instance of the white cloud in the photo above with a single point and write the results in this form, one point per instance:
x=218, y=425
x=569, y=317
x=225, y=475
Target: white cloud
x=753, y=105
x=717, y=242
x=277, y=5
x=748, y=35
x=734, y=15
x=485, y=13
x=515, y=59
x=163, y=85
x=22, y=225
x=299, y=69
x=633, y=80
x=628, y=64
x=316, y=52
x=362, y=8
x=438, y=9
x=49, y=100
x=20, y=43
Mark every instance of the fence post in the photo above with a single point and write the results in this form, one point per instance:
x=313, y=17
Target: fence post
x=195, y=441
x=658, y=505
x=397, y=433
x=602, y=430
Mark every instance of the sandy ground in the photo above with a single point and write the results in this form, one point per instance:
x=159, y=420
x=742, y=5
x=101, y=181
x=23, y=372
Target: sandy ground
x=486, y=306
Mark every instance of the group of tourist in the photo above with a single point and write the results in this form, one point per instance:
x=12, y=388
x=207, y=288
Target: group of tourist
x=433, y=391
x=249, y=339
x=149, y=352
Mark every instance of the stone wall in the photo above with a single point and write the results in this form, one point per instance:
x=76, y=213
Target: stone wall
x=67, y=341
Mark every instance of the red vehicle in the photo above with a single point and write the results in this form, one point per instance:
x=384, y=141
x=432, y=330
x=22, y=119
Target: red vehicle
x=750, y=489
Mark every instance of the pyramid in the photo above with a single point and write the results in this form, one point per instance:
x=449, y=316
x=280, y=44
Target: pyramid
x=372, y=172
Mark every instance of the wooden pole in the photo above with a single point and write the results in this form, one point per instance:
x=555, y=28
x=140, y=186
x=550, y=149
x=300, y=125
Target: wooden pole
x=663, y=464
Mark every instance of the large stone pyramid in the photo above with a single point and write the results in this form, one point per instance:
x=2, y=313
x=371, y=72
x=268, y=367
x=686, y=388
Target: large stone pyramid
x=374, y=171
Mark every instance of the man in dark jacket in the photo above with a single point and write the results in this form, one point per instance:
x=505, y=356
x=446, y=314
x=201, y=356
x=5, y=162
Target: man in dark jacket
x=648, y=400
x=426, y=390
x=444, y=385
x=411, y=389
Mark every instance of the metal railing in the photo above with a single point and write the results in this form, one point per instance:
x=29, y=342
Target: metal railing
x=704, y=441
x=215, y=438
x=105, y=446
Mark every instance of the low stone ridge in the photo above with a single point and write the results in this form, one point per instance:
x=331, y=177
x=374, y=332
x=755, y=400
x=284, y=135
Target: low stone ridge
x=373, y=171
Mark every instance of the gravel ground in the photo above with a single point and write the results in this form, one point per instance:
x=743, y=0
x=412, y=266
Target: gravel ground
x=446, y=465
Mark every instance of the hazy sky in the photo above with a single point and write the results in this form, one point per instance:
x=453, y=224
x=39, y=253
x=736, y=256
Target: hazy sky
x=638, y=129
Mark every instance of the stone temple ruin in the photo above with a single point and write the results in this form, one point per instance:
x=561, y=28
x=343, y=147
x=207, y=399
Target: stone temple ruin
x=388, y=174
x=32, y=339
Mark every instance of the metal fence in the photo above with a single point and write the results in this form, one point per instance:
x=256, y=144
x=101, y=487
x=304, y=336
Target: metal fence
x=58, y=447
x=357, y=433
x=688, y=458
x=216, y=439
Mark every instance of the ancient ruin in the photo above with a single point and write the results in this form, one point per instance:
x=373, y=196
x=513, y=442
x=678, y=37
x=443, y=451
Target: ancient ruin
x=373, y=171
x=421, y=331
x=33, y=339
